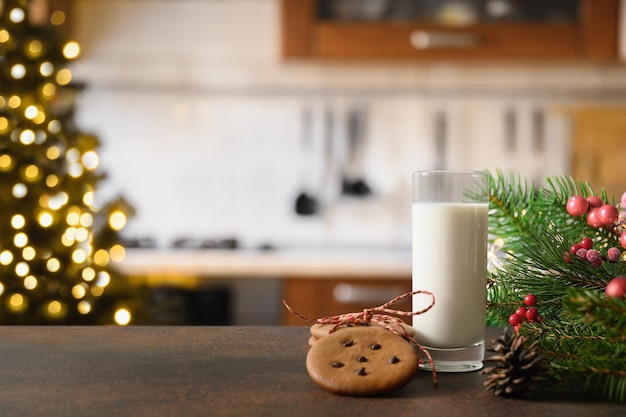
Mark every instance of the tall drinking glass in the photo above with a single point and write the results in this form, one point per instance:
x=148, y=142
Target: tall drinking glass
x=449, y=259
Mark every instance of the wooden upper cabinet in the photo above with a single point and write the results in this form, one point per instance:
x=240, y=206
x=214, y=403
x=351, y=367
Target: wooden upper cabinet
x=590, y=34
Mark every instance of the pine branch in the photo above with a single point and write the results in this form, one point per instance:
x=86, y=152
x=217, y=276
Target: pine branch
x=518, y=211
x=509, y=198
x=595, y=308
x=583, y=331
x=537, y=232
x=581, y=359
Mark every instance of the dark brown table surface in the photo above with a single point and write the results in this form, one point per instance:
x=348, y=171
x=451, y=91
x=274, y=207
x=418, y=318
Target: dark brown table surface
x=219, y=371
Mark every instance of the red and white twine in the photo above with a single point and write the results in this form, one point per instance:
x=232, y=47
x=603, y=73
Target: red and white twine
x=382, y=316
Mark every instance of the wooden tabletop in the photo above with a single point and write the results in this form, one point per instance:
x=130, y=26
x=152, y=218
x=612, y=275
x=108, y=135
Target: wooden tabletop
x=219, y=371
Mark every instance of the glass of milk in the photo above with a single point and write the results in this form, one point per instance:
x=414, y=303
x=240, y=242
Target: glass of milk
x=449, y=259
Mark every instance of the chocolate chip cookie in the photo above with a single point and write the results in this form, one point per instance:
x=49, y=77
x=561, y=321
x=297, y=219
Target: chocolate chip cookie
x=361, y=361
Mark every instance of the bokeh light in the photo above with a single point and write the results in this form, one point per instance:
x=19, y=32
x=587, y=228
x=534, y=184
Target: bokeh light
x=6, y=257
x=117, y=220
x=53, y=265
x=19, y=190
x=118, y=253
x=56, y=309
x=45, y=219
x=84, y=307
x=18, y=71
x=90, y=160
x=17, y=303
x=71, y=50
x=57, y=17
x=30, y=282
x=46, y=69
x=22, y=269
x=18, y=221
x=88, y=274
x=17, y=15
x=64, y=76
x=122, y=317
x=79, y=291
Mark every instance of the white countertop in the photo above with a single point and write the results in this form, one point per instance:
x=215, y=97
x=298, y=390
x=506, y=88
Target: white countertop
x=276, y=263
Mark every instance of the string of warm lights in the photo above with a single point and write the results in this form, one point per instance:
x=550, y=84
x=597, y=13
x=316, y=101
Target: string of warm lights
x=56, y=245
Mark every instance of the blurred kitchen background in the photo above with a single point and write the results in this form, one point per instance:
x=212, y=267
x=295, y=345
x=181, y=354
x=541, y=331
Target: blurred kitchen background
x=267, y=145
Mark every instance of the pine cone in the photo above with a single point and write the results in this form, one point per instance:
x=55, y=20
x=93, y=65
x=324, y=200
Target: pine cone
x=516, y=368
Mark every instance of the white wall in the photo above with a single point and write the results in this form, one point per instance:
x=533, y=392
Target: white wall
x=200, y=121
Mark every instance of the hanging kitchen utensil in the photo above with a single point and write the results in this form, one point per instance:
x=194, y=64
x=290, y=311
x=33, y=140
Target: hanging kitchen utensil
x=329, y=175
x=353, y=182
x=306, y=204
x=441, y=139
x=538, y=145
x=510, y=130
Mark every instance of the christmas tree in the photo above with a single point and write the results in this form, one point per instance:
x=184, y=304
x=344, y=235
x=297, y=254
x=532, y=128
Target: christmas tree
x=57, y=243
x=556, y=278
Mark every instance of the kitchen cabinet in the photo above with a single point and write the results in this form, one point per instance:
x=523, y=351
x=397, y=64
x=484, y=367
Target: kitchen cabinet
x=322, y=297
x=591, y=34
x=598, y=151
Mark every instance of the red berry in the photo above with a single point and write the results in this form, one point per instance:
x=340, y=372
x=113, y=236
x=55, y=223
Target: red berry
x=593, y=218
x=532, y=314
x=586, y=243
x=530, y=300
x=613, y=254
x=616, y=288
x=593, y=255
x=574, y=248
x=521, y=311
x=577, y=205
x=608, y=214
x=596, y=262
x=594, y=201
x=515, y=319
x=622, y=240
x=581, y=253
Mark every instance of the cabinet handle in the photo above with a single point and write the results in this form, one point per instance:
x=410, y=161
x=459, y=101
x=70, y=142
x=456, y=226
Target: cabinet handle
x=365, y=294
x=421, y=39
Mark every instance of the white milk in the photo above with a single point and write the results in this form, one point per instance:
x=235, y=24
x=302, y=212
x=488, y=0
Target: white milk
x=449, y=260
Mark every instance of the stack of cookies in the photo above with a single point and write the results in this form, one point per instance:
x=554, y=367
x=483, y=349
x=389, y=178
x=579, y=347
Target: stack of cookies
x=361, y=360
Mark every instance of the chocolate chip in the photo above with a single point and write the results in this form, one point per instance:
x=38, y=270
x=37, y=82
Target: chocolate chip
x=337, y=365
x=361, y=359
x=394, y=359
x=348, y=343
x=376, y=346
x=361, y=371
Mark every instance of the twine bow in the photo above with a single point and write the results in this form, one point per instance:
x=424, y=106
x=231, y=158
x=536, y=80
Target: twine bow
x=381, y=316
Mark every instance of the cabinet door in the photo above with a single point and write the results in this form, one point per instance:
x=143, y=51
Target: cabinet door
x=598, y=151
x=591, y=35
x=317, y=298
